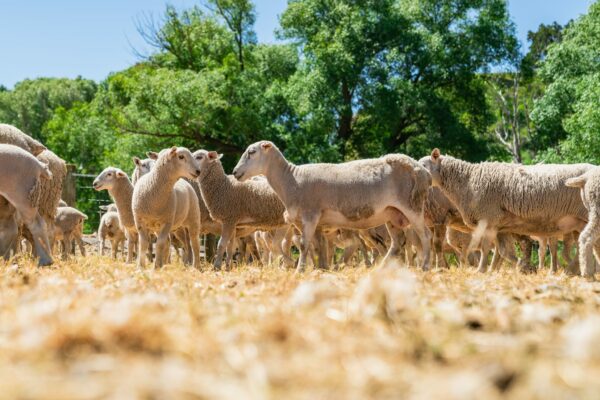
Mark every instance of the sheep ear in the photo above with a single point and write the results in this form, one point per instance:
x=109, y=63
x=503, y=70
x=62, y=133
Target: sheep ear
x=136, y=161
x=172, y=152
x=266, y=145
x=220, y=156
x=120, y=174
x=152, y=155
x=213, y=155
x=435, y=154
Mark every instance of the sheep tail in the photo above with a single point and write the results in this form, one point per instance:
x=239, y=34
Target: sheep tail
x=577, y=182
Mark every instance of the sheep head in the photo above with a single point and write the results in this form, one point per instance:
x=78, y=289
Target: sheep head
x=107, y=178
x=142, y=167
x=433, y=164
x=254, y=160
x=180, y=161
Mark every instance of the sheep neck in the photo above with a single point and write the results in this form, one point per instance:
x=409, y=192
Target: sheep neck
x=213, y=177
x=454, y=176
x=281, y=175
x=161, y=179
x=122, y=194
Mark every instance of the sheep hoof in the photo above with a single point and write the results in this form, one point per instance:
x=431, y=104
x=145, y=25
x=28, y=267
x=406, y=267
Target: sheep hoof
x=589, y=278
x=45, y=263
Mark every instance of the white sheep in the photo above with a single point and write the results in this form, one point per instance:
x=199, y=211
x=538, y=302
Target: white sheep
x=121, y=191
x=354, y=195
x=110, y=226
x=22, y=176
x=9, y=229
x=12, y=135
x=163, y=203
x=252, y=204
x=68, y=228
x=498, y=197
x=208, y=225
x=589, y=245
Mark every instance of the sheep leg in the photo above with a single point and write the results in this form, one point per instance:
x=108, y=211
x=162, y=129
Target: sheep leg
x=364, y=250
x=37, y=226
x=485, y=250
x=279, y=236
x=230, y=251
x=526, y=248
x=101, y=245
x=439, y=235
x=143, y=239
x=227, y=231
x=587, y=239
x=80, y=244
x=114, y=247
x=162, y=246
x=309, y=226
x=195, y=244
x=418, y=224
x=542, y=245
x=132, y=239
x=397, y=240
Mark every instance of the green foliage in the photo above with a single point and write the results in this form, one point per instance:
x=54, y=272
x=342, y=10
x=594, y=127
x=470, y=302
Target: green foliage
x=32, y=102
x=568, y=113
x=382, y=76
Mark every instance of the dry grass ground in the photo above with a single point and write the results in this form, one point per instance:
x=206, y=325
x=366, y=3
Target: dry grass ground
x=92, y=328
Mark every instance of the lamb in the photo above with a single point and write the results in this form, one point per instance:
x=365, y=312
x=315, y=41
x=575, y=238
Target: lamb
x=20, y=186
x=68, y=227
x=110, y=226
x=121, y=190
x=589, y=246
x=354, y=195
x=234, y=204
x=162, y=203
x=497, y=197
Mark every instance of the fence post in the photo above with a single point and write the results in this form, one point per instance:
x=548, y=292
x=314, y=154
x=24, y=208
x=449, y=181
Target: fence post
x=69, y=193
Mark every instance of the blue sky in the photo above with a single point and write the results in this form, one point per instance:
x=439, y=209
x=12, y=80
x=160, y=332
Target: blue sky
x=91, y=38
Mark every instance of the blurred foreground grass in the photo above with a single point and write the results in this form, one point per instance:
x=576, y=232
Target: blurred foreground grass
x=93, y=328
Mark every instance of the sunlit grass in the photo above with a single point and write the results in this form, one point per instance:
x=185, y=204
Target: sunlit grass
x=94, y=328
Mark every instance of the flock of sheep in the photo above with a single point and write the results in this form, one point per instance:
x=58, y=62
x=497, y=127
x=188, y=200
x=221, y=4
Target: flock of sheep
x=387, y=207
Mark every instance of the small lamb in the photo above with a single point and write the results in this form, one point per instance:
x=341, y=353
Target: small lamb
x=110, y=226
x=68, y=227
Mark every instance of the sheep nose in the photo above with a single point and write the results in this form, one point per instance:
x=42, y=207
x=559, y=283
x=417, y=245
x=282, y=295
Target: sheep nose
x=197, y=172
x=235, y=174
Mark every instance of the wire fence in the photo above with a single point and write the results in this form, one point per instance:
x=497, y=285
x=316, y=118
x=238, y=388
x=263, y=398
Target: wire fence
x=88, y=199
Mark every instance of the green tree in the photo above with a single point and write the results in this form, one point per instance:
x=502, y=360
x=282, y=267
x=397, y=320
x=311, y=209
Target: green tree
x=381, y=76
x=239, y=16
x=567, y=115
x=32, y=102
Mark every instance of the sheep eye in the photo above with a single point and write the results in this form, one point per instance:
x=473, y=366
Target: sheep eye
x=109, y=174
x=181, y=157
x=252, y=151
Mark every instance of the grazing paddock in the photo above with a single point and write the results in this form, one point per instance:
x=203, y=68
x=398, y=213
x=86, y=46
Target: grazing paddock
x=93, y=328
